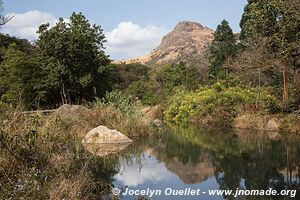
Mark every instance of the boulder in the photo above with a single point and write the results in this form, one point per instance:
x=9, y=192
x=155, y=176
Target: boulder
x=150, y=114
x=102, y=141
x=72, y=111
x=272, y=125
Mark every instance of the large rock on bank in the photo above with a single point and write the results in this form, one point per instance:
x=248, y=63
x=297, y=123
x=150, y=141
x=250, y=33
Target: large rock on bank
x=103, y=141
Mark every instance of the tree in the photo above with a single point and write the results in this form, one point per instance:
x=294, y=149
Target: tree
x=178, y=75
x=222, y=47
x=279, y=22
x=22, y=44
x=20, y=78
x=74, y=59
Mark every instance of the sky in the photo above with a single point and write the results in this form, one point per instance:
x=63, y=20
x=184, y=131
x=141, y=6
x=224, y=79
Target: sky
x=132, y=27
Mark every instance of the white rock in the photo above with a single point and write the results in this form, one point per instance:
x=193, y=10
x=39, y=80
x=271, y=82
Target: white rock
x=102, y=141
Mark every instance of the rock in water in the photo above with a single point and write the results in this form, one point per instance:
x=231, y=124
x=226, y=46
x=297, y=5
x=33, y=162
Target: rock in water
x=102, y=141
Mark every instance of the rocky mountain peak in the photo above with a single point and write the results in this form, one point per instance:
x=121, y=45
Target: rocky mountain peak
x=188, y=41
x=187, y=26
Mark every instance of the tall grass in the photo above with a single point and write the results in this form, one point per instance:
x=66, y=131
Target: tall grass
x=41, y=156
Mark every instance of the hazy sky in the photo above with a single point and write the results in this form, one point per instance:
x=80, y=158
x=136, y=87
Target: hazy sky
x=132, y=27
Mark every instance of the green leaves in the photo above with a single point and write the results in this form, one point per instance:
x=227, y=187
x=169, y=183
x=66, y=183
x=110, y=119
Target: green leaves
x=74, y=59
x=217, y=103
x=278, y=20
x=19, y=74
x=222, y=48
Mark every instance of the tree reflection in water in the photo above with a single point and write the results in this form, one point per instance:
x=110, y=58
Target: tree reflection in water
x=235, y=159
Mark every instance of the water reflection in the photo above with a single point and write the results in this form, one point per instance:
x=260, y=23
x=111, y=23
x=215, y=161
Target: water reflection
x=207, y=159
x=105, y=149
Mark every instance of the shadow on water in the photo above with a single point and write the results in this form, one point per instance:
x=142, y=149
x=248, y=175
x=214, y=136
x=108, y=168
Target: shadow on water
x=205, y=159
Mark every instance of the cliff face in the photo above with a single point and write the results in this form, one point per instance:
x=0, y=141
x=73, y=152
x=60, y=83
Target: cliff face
x=188, y=41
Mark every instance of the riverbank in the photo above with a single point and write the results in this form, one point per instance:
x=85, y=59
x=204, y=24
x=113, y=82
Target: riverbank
x=42, y=156
x=289, y=123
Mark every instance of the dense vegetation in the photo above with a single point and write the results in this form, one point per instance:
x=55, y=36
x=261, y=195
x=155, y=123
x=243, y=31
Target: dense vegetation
x=67, y=64
x=256, y=71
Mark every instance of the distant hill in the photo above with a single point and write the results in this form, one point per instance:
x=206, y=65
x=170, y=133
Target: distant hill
x=187, y=42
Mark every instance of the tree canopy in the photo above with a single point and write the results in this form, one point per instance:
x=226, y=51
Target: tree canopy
x=73, y=57
x=277, y=21
x=223, y=47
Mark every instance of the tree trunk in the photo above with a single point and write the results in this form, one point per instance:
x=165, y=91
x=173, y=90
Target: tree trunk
x=285, y=84
x=63, y=92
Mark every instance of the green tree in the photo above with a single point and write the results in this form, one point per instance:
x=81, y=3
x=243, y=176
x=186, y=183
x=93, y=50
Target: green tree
x=20, y=78
x=223, y=47
x=178, y=75
x=74, y=59
x=22, y=44
x=279, y=22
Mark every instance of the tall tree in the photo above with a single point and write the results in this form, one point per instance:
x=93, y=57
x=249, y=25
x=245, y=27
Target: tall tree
x=74, y=58
x=223, y=47
x=279, y=22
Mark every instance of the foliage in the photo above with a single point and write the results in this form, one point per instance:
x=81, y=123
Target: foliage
x=22, y=44
x=125, y=74
x=20, y=80
x=217, y=104
x=278, y=22
x=276, y=19
x=145, y=90
x=222, y=47
x=75, y=63
x=120, y=111
x=124, y=103
x=178, y=75
x=160, y=83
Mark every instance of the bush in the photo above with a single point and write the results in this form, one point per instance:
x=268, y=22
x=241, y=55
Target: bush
x=146, y=91
x=217, y=104
x=160, y=83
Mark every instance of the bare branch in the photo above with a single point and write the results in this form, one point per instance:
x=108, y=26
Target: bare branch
x=4, y=20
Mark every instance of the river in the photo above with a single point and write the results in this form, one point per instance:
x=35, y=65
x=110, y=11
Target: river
x=194, y=163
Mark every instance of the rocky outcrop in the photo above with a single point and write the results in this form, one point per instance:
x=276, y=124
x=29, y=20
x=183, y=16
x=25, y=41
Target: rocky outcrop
x=102, y=141
x=188, y=41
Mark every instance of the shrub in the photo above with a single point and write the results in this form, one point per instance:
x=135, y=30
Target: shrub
x=217, y=104
x=144, y=90
x=161, y=82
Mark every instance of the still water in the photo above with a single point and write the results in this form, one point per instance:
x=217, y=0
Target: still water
x=179, y=161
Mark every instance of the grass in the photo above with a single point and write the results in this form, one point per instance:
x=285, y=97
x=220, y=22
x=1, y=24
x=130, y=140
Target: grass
x=42, y=157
